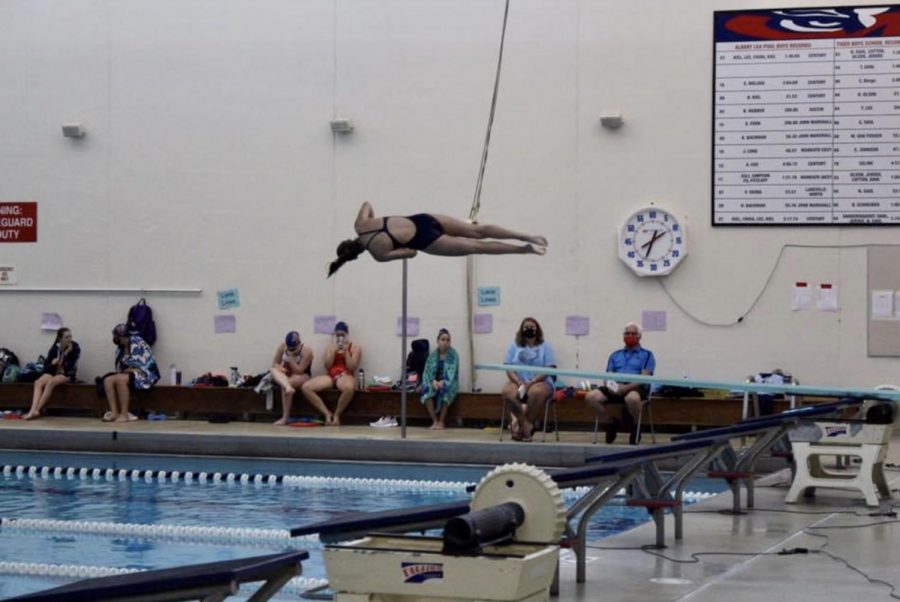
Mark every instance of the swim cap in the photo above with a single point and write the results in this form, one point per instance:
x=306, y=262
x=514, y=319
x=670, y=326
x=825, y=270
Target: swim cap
x=292, y=339
x=341, y=327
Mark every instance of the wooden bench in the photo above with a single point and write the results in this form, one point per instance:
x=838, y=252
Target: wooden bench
x=472, y=408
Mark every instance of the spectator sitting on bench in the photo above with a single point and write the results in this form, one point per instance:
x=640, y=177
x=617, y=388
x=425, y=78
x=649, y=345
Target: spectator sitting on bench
x=290, y=369
x=526, y=393
x=630, y=359
x=341, y=361
x=440, y=380
x=59, y=368
x=135, y=369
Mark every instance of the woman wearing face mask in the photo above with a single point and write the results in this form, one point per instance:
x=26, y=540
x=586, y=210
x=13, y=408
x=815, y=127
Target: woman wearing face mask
x=526, y=393
x=59, y=368
x=342, y=357
x=441, y=378
x=290, y=369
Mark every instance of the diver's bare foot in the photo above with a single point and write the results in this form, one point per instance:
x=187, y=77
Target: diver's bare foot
x=335, y=421
x=529, y=248
x=439, y=426
x=31, y=416
x=538, y=240
x=281, y=422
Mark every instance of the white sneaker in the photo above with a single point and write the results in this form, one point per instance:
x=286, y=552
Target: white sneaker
x=380, y=422
x=391, y=421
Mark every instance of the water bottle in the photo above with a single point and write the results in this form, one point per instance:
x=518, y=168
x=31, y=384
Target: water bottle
x=173, y=375
x=361, y=380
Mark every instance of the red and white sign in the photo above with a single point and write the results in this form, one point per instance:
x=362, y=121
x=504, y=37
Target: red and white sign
x=18, y=222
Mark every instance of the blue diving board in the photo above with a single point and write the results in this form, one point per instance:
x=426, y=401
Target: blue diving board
x=788, y=389
x=357, y=524
x=213, y=580
x=766, y=422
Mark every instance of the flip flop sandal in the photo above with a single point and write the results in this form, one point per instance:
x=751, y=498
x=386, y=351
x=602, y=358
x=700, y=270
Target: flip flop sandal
x=108, y=417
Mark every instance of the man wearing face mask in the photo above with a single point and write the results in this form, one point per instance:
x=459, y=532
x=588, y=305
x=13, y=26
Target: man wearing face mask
x=630, y=359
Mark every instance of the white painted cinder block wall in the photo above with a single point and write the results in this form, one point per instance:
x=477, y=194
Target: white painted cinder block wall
x=209, y=164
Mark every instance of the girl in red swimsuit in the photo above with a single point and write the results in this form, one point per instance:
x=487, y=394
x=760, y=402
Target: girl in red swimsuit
x=342, y=358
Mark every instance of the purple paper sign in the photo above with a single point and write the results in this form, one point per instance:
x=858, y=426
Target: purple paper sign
x=653, y=320
x=324, y=324
x=578, y=326
x=412, y=327
x=483, y=323
x=225, y=323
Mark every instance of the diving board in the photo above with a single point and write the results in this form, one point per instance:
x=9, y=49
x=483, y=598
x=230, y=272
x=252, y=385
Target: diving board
x=787, y=388
x=209, y=581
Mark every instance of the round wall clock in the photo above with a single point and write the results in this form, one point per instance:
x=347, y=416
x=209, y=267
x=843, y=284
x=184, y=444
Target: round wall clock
x=652, y=242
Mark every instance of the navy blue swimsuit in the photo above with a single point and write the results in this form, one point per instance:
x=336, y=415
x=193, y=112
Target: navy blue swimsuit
x=428, y=230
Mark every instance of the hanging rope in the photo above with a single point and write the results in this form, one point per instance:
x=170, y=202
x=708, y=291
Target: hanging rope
x=476, y=201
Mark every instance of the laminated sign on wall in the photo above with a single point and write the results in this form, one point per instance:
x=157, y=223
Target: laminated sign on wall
x=18, y=222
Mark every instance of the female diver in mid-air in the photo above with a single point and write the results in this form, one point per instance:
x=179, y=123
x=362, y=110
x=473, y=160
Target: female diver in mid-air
x=399, y=237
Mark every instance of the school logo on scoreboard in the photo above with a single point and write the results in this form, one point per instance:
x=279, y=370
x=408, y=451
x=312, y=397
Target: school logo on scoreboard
x=419, y=572
x=808, y=23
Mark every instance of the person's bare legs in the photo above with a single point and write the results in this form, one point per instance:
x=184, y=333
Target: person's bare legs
x=429, y=405
x=48, y=391
x=510, y=396
x=310, y=390
x=454, y=246
x=596, y=400
x=110, y=386
x=442, y=417
x=281, y=379
x=39, y=385
x=346, y=384
x=456, y=227
x=294, y=382
x=124, y=395
x=537, y=398
x=633, y=402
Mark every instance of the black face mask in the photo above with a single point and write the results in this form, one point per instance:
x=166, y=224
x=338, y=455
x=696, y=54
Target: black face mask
x=529, y=333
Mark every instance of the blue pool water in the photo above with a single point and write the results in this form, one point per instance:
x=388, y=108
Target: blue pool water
x=211, y=504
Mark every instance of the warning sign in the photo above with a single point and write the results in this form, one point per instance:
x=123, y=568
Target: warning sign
x=18, y=222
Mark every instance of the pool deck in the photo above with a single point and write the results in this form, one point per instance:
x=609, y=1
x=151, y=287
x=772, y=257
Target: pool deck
x=740, y=573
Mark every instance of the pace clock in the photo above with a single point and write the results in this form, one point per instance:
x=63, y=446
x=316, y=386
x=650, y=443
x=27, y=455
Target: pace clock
x=652, y=242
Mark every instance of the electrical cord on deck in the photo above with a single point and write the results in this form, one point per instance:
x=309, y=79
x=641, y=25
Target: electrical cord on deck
x=695, y=558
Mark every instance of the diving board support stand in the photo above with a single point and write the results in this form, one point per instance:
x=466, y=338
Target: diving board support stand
x=869, y=442
x=403, y=356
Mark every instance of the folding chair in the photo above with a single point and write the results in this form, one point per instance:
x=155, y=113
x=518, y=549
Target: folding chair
x=745, y=409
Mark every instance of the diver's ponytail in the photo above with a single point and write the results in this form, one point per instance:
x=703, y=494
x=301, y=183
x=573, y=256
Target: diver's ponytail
x=348, y=250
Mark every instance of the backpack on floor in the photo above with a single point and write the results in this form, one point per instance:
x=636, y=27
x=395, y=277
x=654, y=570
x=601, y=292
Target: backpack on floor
x=140, y=321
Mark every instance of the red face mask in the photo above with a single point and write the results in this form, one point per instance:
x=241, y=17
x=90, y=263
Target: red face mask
x=631, y=340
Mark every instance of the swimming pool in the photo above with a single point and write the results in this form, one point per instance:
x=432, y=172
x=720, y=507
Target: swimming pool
x=121, y=512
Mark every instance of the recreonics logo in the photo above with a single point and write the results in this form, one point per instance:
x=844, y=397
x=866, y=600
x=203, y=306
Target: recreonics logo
x=834, y=431
x=419, y=572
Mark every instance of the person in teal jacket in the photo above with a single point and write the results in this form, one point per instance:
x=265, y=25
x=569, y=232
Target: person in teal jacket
x=441, y=380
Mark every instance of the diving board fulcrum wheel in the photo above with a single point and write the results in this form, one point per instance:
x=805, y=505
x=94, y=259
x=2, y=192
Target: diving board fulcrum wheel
x=531, y=488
